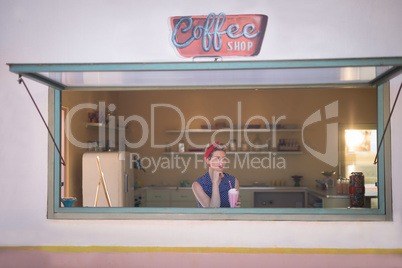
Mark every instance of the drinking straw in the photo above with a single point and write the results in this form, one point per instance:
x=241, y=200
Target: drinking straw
x=230, y=184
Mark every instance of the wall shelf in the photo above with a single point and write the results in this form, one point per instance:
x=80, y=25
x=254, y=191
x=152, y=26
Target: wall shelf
x=237, y=130
x=264, y=153
x=228, y=130
x=103, y=125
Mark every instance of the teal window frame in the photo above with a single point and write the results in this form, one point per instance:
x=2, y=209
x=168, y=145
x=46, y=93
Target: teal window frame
x=55, y=211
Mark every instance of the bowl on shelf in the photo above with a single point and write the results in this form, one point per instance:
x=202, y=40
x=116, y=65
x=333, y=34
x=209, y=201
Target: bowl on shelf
x=296, y=179
x=328, y=173
x=205, y=127
x=258, y=184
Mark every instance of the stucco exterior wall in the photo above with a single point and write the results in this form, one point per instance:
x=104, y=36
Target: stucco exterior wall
x=131, y=31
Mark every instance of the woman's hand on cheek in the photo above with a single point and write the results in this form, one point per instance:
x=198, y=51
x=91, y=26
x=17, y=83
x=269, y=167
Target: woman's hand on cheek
x=217, y=175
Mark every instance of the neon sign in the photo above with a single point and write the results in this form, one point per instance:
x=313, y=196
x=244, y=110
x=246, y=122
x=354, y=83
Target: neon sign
x=218, y=35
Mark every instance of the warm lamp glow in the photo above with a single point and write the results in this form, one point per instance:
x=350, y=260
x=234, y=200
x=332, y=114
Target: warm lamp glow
x=354, y=138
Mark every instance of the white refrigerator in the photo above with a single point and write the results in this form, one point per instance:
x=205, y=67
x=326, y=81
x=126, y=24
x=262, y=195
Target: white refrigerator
x=119, y=179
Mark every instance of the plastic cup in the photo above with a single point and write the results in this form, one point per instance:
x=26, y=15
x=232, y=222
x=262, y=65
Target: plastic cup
x=233, y=197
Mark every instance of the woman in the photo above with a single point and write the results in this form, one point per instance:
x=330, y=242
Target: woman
x=211, y=190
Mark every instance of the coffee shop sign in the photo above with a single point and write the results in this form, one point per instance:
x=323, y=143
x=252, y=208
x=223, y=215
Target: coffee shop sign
x=218, y=35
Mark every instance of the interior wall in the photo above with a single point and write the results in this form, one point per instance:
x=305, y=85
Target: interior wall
x=356, y=106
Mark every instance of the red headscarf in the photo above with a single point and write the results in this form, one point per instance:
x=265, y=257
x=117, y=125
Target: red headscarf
x=208, y=152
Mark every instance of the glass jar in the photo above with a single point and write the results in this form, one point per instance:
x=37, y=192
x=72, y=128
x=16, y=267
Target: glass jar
x=345, y=186
x=182, y=147
x=232, y=145
x=339, y=186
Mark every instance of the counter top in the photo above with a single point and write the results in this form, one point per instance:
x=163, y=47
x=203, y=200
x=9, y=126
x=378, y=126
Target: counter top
x=312, y=190
x=162, y=188
x=317, y=192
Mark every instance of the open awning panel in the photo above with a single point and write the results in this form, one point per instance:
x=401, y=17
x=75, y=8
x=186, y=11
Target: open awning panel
x=254, y=74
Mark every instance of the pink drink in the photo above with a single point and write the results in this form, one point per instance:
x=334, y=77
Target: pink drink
x=233, y=197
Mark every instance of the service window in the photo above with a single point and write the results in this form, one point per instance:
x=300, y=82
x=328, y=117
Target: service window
x=301, y=142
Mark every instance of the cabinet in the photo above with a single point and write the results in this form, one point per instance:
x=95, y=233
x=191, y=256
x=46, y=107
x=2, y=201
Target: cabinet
x=273, y=135
x=260, y=197
x=157, y=198
x=246, y=198
x=327, y=201
x=280, y=199
x=169, y=198
x=313, y=201
x=335, y=202
x=183, y=199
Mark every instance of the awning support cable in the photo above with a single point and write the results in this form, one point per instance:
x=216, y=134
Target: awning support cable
x=20, y=80
x=386, y=126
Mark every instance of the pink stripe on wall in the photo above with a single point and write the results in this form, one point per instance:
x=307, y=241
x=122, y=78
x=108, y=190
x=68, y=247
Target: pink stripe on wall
x=42, y=259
